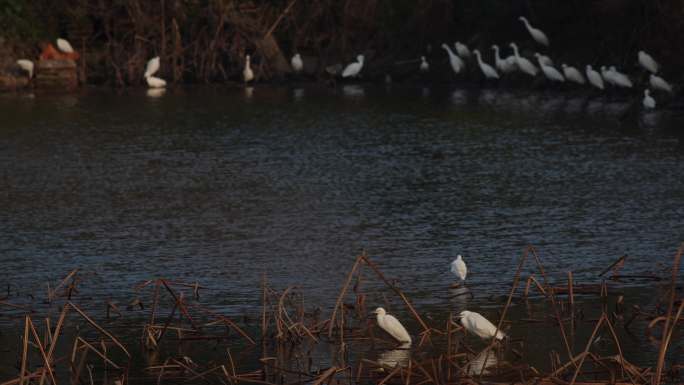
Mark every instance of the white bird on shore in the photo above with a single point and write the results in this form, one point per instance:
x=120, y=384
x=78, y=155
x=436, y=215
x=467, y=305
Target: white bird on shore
x=456, y=62
x=27, y=66
x=607, y=76
x=392, y=326
x=524, y=64
x=619, y=78
x=648, y=101
x=247, y=73
x=504, y=65
x=545, y=60
x=594, y=78
x=152, y=67
x=647, y=62
x=155, y=82
x=353, y=69
x=659, y=83
x=297, y=63
x=459, y=268
x=537, y=34
x=572, y=74
x=550, y=72
x=424, y=66
x=64, y=46
x=477, y=324
x=462, y=49
x=488, y=71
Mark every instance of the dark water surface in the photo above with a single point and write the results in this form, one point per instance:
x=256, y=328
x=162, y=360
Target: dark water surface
x=221, y=185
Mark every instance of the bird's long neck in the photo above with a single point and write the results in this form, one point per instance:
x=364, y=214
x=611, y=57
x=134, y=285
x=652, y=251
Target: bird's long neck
x=527, y=24
x=515, y=52
x=496, y=54
x=479, y=61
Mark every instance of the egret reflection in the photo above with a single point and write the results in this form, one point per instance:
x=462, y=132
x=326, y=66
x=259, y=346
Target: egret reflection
x=396, y=357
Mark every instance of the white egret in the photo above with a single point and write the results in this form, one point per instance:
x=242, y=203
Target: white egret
x=477, y=324
x=462, y=49
x=607, y=76
x=594, y=78
x=550, y=72
x=504, y=65
x=297, y=63
x=647, y=62
x=537, y=34
x=459, y=268
x=524, y=65
x=456, y=62
x=247, y=73
x=424, y=66
x=155, y=82
x=572, y=74
x=488, y=71
x=659, y=83
x=619, y=78
x=152, y=67
x=64, y=46
x=27, y=66
x=545, y=60
x=648, y=101
x=353, y=69
x=392, y=326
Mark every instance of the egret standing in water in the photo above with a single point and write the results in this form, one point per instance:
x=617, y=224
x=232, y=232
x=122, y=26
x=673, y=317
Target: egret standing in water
x=594, y=78
x=537, y=34
x=458, y=267
x=27, y=66
x=488, y=71
x=619, y=78
x=462, y=49
x=648, y=101
x=150, y=69
x=659, y=83
x=524, y=65
x=247, y=73
x=392, y=326
x=424, y=66
x=504, y=65
x=647, y=62
x=297, y=63
x=572, y=74
x=550, y=72
x=456, y=62
x=607, y=76
x=64, y=46
x=477, y=324
x=353, y=69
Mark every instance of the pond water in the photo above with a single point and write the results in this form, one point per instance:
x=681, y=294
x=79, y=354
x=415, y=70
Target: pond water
x=222, y=185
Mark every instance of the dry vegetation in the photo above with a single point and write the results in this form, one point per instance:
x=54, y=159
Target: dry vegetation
x=205, y=41
x=282, y=346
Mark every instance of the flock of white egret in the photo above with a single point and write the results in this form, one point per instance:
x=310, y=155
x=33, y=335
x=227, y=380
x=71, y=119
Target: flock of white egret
x=515, y=62
x=472, y=322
